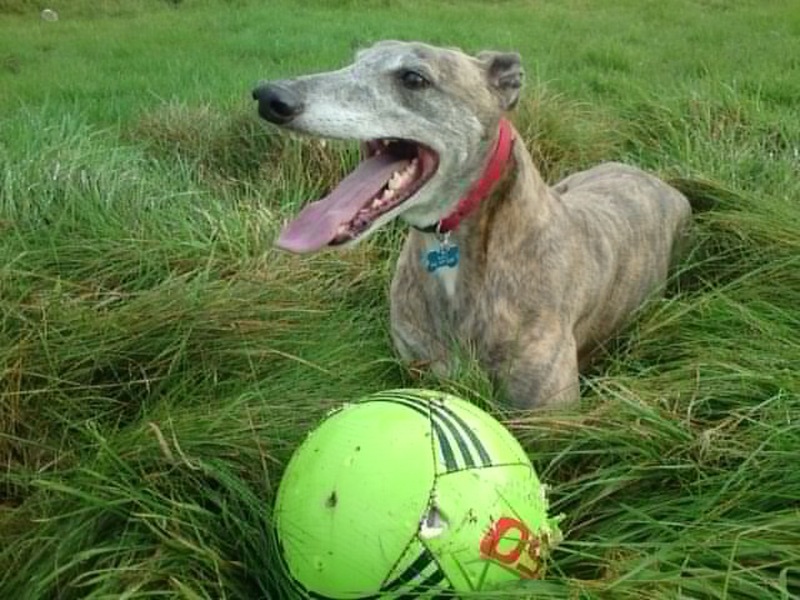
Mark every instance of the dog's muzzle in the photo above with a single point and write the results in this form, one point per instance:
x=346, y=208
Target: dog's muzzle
x=277, y=104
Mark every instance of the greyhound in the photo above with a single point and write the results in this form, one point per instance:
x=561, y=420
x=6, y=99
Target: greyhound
x=531, y=279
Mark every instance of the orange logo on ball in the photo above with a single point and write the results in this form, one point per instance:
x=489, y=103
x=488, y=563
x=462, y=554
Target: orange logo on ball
x=521, y=550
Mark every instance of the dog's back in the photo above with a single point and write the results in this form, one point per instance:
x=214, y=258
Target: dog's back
x=631, y=225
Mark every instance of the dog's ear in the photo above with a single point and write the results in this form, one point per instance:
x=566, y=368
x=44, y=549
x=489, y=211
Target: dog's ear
x=504, y=71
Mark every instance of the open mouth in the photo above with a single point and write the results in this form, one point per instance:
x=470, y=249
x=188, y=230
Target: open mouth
x=391, y=172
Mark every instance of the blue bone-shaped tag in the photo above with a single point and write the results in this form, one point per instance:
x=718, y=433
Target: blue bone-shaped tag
x=443, y=256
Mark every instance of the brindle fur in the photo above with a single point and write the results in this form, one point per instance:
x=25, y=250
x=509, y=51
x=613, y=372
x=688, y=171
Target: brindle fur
x=547, y=274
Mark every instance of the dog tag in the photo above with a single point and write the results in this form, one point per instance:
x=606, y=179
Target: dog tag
x=446, y=255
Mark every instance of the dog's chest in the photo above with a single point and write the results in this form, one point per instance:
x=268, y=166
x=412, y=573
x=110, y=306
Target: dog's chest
x=457, y=306
x=435, y=307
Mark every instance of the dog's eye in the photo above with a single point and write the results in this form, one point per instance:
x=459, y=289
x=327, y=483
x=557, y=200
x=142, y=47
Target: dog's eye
x=413, y=80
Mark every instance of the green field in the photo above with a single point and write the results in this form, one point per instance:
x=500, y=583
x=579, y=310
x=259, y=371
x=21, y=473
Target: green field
x=159, y=360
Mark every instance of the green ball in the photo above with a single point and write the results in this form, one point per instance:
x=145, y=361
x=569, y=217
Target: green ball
x=410, y=492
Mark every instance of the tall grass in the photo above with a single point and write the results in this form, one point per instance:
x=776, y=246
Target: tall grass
x=159, y=360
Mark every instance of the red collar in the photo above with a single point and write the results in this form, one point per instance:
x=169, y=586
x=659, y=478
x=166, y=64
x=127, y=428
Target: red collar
x=481, y=188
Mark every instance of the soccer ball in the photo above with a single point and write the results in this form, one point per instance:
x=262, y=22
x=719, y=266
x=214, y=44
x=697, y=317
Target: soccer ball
x=410, y=493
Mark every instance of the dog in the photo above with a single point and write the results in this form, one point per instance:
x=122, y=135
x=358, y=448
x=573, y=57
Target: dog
x=532, y=279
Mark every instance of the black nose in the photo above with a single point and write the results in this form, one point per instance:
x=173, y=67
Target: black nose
x=276, y=103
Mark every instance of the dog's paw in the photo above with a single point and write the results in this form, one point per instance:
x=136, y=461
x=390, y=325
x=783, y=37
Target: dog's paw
x=418, y=368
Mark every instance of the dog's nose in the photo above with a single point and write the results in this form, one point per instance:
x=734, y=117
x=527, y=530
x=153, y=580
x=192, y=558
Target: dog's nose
x=276, y=103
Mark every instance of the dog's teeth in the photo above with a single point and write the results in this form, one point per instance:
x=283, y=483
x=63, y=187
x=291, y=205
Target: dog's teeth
x=410, y=169
x=379, y=201
x=396, y=181
x=404, y=178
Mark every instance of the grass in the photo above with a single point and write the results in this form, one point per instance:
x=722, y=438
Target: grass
x=159, y=360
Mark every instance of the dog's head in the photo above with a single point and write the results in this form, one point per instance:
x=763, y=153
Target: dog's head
x=426, y=118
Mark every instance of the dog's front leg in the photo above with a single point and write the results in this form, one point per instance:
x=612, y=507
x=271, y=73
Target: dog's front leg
x=420, y=331
x=544, y=373
x=420, y=349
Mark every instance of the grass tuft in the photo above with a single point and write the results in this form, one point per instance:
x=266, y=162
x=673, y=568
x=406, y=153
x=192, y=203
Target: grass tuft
x=564, y=135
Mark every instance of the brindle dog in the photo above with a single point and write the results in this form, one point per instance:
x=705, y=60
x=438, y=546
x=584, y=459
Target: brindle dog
x=531, y=278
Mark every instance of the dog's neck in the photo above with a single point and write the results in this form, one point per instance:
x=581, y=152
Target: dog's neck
x=520, y=196
x=519, y=204
x=496, y=166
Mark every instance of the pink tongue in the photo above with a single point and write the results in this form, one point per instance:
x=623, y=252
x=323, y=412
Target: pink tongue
x=318, y=223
